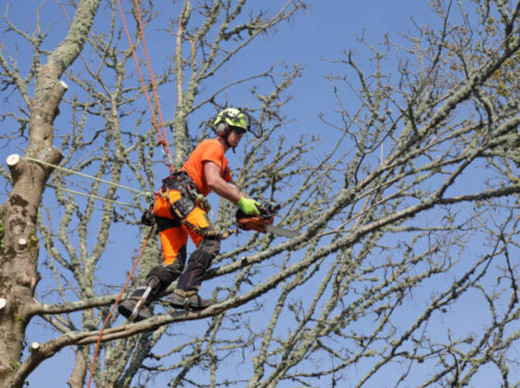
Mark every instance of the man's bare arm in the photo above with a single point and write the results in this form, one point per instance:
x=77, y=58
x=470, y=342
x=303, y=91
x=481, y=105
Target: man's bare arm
x=225, y=189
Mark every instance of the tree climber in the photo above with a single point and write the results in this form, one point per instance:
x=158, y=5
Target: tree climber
x=181, y=211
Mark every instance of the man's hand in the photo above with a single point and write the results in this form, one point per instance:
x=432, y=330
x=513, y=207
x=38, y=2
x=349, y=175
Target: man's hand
x=249, y=206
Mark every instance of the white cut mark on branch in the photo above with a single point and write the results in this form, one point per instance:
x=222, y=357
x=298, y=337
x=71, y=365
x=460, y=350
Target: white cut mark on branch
x=22, y=243
x=13, y=159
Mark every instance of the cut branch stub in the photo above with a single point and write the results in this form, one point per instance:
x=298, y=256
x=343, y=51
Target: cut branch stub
x=35, y=347
x=13, y=159
x=22, y=243
x=15, y=164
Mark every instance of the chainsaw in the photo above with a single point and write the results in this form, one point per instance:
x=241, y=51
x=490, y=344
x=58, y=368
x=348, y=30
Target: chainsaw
x=264, y=221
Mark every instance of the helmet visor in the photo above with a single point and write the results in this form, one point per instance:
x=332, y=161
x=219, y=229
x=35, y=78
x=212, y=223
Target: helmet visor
x=254, y=125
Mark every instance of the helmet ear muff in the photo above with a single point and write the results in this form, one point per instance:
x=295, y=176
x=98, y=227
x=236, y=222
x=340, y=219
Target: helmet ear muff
x=222, y=128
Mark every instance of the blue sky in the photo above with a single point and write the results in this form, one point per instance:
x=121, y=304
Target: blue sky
x=325, y=31
x=319, y=34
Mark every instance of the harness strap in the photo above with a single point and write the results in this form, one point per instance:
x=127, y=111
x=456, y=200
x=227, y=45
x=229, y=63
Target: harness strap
x=190, y=198
x=182, y=182
x=204, y=232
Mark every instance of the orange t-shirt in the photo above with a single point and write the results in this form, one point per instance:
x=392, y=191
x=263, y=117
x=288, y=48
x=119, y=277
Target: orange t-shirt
x=209, y=150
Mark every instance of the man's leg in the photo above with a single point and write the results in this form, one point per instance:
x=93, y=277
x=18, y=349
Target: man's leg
x=200, y=261
x=173, y=242
x=208, y=247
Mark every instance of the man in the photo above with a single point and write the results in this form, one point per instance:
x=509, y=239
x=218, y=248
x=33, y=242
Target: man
x=179, y=212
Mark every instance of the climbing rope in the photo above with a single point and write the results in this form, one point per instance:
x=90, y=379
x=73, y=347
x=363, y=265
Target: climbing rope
x=156, y=95
x=161, y=132
x=105, y=199
x=162, y=140
x=70, y=171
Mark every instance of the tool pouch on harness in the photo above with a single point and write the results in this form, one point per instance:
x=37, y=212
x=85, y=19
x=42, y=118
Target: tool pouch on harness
x=181, y=182
x=182, y=207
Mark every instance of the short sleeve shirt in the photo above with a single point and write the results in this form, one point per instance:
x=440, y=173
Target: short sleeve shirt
x=209, y=150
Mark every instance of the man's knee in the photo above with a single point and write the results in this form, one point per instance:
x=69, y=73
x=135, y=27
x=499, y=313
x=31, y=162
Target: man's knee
x=210, y=246
x=208, y=249
x=166, y=274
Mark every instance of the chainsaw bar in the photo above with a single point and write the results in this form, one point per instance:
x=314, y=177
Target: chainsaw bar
x=281, y=231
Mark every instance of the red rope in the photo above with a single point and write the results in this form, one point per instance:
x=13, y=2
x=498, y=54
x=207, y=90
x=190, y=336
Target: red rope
x=156, y=95
x=162, y=138
x=115, y=305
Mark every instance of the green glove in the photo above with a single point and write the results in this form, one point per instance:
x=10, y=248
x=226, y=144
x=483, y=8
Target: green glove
x=248, y=206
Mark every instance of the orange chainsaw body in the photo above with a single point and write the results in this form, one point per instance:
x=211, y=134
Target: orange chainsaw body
x=256, y=223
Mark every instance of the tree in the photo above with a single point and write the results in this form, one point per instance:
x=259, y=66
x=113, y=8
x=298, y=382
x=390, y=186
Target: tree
x=404, y=270
x=20, y=212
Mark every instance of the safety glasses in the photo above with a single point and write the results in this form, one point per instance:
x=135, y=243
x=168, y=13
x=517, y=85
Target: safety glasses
x=239, y=130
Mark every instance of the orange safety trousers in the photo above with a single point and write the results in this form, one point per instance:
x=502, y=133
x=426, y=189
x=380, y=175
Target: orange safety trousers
x=174, y=238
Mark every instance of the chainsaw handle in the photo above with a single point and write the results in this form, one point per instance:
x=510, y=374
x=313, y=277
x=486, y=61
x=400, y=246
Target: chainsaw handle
x=268, y=209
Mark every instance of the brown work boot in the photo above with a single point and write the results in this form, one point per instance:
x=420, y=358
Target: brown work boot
x=189, y=300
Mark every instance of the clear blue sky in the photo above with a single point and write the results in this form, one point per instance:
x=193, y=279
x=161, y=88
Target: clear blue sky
x=324, y=32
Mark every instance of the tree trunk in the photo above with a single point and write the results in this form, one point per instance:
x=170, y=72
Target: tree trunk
x=19, y=259
x=18, y=263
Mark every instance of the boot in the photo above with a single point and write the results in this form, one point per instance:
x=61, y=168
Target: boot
x=189, y=300
x=127, y=307
x=135, y=308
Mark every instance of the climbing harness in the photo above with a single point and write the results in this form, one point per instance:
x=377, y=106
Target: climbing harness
x=182, y=182
x=190, y=198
